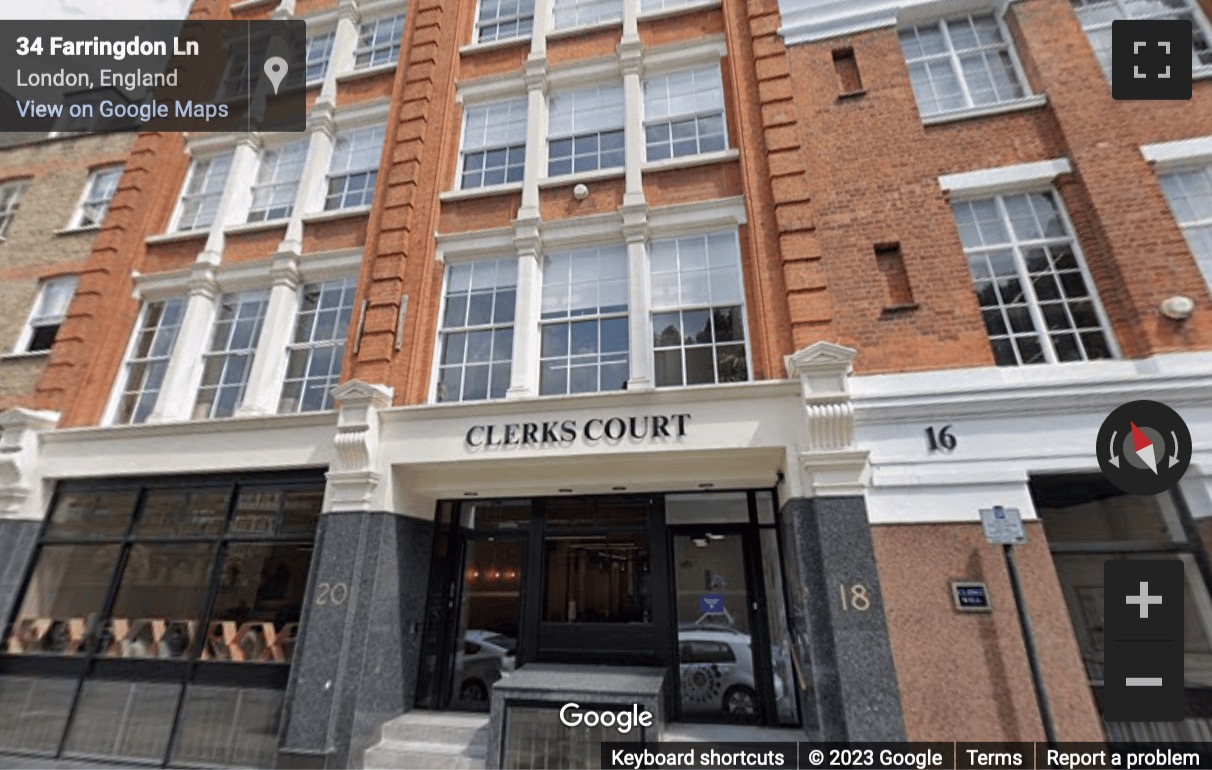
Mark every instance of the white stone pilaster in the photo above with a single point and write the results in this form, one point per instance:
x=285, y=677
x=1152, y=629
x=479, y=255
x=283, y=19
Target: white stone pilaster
x=184, y=371
x=344, y=43
x=831, y=461
x=269, y=364
x=20, y=430
x=237, y=195
x=536, y=136
x=635, y=231
x=524, y=374
x=542, y=25
x=631, y=19
x=353, y=477
x=631, y=60
x=309, y=197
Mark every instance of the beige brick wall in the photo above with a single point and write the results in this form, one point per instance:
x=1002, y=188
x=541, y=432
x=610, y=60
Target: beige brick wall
x=36, y=245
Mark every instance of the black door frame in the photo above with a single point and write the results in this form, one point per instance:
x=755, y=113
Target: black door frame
x=755, y=613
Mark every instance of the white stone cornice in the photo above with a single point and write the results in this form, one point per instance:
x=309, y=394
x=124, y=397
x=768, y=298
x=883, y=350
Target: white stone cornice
x=202, y=281
x=821, y=358
x=831, y=460
x=809, y=21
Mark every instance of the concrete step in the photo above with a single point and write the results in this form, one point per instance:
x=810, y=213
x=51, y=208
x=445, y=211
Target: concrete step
x=421, y=740
x=386, y=758
x=436, y=731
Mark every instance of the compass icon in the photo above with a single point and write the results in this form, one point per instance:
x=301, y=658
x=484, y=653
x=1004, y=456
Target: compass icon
x=1144, y=447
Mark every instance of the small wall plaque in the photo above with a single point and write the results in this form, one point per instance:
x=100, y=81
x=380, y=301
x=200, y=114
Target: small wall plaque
x=970, y=596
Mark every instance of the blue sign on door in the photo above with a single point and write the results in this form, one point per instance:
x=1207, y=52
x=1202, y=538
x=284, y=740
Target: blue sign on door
x=711, y=603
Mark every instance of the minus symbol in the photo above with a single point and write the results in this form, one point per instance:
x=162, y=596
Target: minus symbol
x=1143, y=681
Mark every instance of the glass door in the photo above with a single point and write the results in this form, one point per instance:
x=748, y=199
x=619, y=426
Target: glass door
x=486, y=644
x=719, y=676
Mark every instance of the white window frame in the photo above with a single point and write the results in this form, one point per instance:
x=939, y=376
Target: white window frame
x=487, y=145
x=81, y=218
x=217, y=195
x=350, y=171
x=276, y=154
x=226, y=352
x=576, y=94
x=40, y=319
x=481, y=23
x=336, y=343
x=11, y=193
x=375, y=46
x=1015, y=246
x=493, y=327
x=697, y=115
x=952, y=56
x=122, y=389
x=571, y=316
x=328, y=38
x=1123, y=11
x=1202, y=261
x=654, y=309
x=577, y=7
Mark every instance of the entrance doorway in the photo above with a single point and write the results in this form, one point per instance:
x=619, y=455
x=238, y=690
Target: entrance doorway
x=687, y=582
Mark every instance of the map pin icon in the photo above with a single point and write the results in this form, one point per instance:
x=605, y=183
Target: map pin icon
x=275, y=68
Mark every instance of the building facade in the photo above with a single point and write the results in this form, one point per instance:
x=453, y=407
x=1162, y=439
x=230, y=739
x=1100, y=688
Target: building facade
x=686, y=335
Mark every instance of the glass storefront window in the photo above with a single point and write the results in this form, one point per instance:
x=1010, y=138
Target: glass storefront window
x=780, y=632
x=487, y=643
x=597, y=579
x=593, y=512
x=496, y=514
x=707, y=508
x=126, y=579
x=62, y=600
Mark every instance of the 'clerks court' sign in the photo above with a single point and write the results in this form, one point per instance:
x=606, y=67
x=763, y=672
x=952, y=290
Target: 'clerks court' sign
x=565, y=432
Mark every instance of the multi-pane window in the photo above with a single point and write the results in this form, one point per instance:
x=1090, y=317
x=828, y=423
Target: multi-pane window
x=273, y=193
x=354, y=168
x=585, y=130
x=1190, y=196
x=1096, y=17
x=961, y=63
x=698, y=318
x=319, y=51
x=684, y=113
x=476, y=346
x=313, y=364
x=228, y=362
x=10, y=200
x=578, y=13
x=203, y=190
x=194, y=588
x=494, y=144
x=379, y=41
x=148, y=359
x=50, y=308
x=583, y=328
x=100, y=188
x=504, y=19
x=1029, y=280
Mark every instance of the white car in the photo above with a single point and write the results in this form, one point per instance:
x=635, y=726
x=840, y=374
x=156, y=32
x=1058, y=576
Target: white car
x=717, y=673
x=485, y=657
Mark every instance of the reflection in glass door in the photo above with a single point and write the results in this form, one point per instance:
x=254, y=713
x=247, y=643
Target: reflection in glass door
x=487, y=642
x=715, y=650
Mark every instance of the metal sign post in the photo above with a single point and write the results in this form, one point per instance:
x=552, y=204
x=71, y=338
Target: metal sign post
x=1004, y=527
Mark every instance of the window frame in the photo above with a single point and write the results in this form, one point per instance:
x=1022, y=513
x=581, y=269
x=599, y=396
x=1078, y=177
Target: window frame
x=122, y=382
x=78, y=215
x=11, y=203
x=1203, y=263
x=184, y=195
x=336, y=343
x=696, y=115
x=34, y=321
x=492, y=327
x=1200, y=23
x=374, y=169
x=952, y=55
x=278, y=151
x=477, y=37
x=375, y=47
x=1014, y=245
x=241, y=298
x=577, y=6
x=329, y=36
x=468, y=109
x=621, y=130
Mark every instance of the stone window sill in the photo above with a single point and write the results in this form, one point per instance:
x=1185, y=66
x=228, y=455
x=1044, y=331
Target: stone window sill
x=1018, y=105
x=328, y=216
x=510, y=188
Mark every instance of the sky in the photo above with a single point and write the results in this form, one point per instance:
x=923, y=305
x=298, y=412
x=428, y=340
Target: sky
x=93, y=9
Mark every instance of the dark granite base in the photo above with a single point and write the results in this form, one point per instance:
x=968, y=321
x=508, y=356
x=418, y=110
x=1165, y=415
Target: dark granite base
x=17, y=540
x=357, y=659
x=845, y=649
